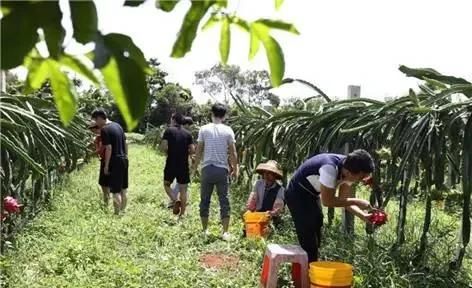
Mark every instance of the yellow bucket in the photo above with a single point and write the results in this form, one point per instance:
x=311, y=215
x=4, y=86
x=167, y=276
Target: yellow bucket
x=256, y=223
x=330, y=274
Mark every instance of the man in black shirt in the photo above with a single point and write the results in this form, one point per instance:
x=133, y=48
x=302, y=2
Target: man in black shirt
x=116, y=158
x=177, y=142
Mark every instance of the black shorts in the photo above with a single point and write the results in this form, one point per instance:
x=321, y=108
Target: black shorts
x=118, y=174
x=181, y=173
x=103, y=180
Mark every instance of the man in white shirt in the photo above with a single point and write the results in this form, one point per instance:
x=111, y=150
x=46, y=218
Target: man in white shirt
x=214, y=142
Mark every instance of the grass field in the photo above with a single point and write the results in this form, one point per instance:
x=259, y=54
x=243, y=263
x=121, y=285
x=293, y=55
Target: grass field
x=77, y=244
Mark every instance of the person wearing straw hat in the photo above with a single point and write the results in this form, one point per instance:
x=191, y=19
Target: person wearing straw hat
x=267, y=194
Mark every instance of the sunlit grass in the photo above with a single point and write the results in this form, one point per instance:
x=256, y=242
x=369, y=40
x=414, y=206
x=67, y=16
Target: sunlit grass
x=77, y=244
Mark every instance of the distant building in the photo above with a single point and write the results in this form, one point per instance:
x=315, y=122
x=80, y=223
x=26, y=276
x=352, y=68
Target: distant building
x=353, y=91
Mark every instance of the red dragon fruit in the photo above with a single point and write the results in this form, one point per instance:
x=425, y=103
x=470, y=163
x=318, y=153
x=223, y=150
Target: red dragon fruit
x=11, y=205
x=378, y=217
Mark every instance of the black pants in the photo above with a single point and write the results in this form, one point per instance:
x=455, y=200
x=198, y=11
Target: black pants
x=307, y=216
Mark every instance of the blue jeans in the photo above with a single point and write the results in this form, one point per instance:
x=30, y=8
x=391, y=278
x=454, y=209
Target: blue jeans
x=214, y=176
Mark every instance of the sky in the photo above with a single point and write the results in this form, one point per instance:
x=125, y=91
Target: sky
x=342, y=42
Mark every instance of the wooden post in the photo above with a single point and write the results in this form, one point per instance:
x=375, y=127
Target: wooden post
x=348, y=218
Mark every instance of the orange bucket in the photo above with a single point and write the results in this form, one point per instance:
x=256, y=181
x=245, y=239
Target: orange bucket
x=330, y=274
x=256, y=224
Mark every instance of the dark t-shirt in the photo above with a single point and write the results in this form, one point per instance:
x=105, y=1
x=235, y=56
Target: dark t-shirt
x=178, y=142
x=112, y=134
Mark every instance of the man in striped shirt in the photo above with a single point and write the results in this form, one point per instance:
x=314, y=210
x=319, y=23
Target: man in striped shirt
x=215, y=141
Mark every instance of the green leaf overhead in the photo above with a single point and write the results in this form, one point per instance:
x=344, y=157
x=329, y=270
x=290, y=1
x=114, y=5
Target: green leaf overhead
x=123, y=45
x=127, y=83
x=166, y=5
x=84, y=20
x=422, y=73
x=254, y=43
x=220, y=3
x=63, y=92
x=188, y=30
x=125, y=76
x=211, y=22
x=78, y=66
x=278, y=4
x=50, y=21
x=18, y=35
x=133, y=3
x=242, y=24
x=101, y=54
x=274, y=53
x=278, y=24
x=225, y=40
x=37, y=74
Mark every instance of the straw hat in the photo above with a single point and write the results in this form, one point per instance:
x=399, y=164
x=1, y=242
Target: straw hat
x=270, y=166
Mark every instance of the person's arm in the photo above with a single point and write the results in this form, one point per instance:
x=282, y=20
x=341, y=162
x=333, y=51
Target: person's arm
x=251, y=203
x=199, y=149
x=164, y=146
x=191, y=149
x=107, y=159
x=345, y=191
x=233, y=155
x=126, y=146
x=279, y=203
x=98, y=145
x=198, y=154
x=108, y=149
x=327, y=188
x=191, y=146
x=329, y=199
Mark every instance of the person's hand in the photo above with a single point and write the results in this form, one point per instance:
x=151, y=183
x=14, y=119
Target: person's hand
x=251, y=204
x=366, y=217
x=106, y=170
x=363, y=204
x=272, y=213
x=235, y=172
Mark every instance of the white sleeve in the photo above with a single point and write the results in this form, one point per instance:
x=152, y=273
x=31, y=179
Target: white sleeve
x=328, y=176
x=281, y=194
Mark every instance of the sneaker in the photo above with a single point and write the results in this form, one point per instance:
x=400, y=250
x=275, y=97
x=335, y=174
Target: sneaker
x=205, y=234
x=170, y=204
x=226, y=236
x=176, y=209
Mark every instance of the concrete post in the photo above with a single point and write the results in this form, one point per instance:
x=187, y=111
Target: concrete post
x=348, y=218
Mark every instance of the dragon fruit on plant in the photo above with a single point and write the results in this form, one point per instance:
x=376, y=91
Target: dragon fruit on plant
x=11, y=205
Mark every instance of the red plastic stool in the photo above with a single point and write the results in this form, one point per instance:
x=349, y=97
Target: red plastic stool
x=277, y=254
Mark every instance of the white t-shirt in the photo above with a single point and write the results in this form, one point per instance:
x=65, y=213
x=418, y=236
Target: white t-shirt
x=328, y=177
x=216, y=139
